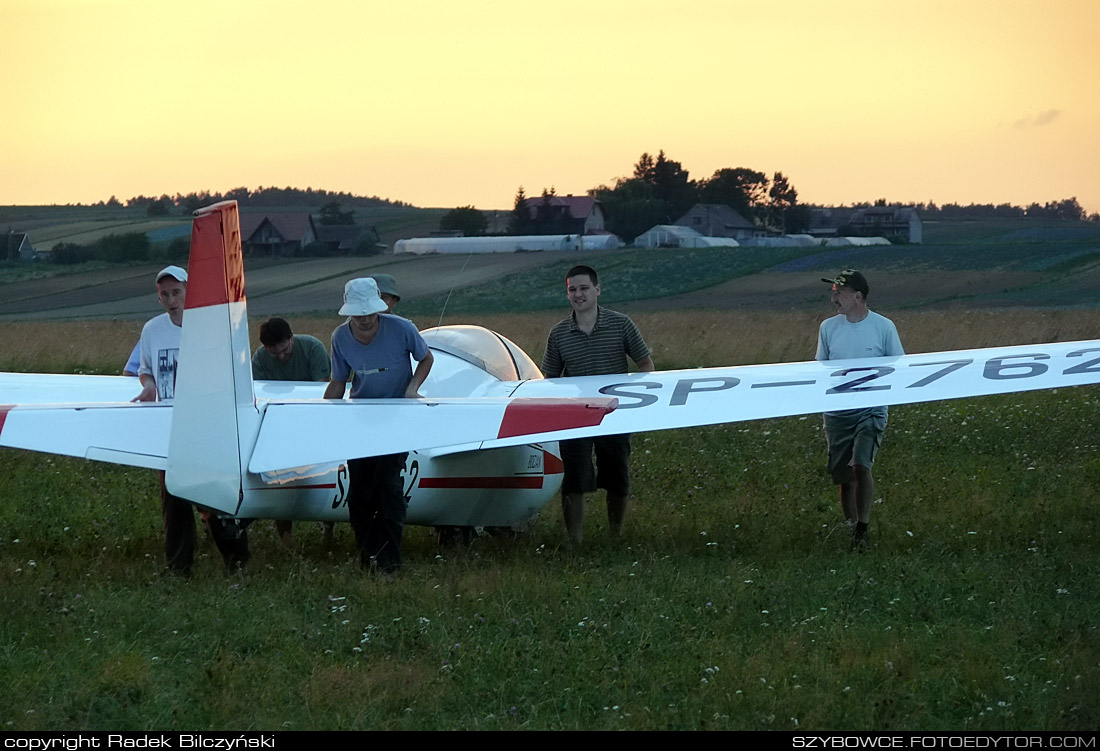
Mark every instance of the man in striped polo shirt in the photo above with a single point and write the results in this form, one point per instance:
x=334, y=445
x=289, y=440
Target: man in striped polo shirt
x=593, y=341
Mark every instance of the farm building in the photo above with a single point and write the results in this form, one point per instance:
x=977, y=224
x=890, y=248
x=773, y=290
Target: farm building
x=896, y=223
x=843, y=242
x=339, y=237
x=18, y=247
x=718, y=220
x=786, y=241
x=891, y=222
x=505, y=244
x=674, y=236
x=581, y=215
x=276, y=234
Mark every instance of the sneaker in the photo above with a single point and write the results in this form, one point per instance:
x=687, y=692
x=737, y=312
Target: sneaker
x=861, y=540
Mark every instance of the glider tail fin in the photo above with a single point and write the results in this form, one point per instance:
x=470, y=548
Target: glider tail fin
x=214, y=415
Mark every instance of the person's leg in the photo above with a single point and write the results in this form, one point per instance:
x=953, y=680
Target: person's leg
x=613, y=474
x=616, y=513
x=572, y=506
x=865, y=493
x=579, y=477
x=359, y=514
x=230, y=537
x=284, y=527
x=389, y=522
x=179, y=531
x=848, y=501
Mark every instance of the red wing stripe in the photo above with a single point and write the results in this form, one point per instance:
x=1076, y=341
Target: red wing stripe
x=484, y=483
x=4, y=409
x=527, y=416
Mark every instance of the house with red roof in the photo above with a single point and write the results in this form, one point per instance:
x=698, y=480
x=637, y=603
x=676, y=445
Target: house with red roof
x=276, y=234
x=576, y=215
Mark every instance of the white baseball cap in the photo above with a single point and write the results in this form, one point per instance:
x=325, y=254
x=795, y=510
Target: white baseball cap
x=361, y=298
x=175, y=272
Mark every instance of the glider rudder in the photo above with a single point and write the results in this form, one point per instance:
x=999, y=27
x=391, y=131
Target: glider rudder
x=214, y=410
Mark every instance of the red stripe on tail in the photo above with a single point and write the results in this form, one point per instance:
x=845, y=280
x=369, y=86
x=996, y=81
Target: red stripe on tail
x=215, y=273
x=527, y=416
x=4, y=409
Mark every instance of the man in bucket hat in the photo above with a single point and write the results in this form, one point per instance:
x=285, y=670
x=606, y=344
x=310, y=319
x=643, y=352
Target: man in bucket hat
x=855, y=435
x=372, y=349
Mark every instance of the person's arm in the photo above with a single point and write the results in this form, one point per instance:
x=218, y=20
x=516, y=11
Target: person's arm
x=133, y=364
x=822, y=345
x=552, y=365
x=335, y=389
x=412, y=391
x=646, y=364
x=893, y=342
x=148, y=389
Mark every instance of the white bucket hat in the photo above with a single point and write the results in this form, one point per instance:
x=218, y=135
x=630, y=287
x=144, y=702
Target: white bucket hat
x=361, y=298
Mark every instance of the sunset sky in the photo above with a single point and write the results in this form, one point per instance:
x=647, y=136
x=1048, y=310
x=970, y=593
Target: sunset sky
x=454, y=102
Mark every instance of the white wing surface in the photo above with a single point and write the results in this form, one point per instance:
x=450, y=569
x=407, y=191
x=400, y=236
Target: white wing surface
x=707, y=396
x=84, y=416
x=298, y=434
x=48, y=388
x=131, y=434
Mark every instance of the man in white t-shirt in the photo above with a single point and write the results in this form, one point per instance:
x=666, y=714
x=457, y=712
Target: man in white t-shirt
x=855, y=435
x=159, y=347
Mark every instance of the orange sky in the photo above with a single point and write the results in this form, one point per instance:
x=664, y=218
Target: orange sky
x=449, y=102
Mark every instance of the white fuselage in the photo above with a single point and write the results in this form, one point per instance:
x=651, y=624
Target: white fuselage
x=476, y=487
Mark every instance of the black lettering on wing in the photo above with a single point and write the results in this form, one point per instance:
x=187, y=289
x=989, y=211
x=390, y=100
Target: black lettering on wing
x=998, y=369
x=1089, y=366
x=952, y=366
x=693, y=385
x=856, y=385
x=621, y=391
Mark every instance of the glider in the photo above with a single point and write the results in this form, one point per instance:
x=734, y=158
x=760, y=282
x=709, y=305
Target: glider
x=482, y=444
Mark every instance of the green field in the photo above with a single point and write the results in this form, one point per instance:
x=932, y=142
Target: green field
x=733, y=602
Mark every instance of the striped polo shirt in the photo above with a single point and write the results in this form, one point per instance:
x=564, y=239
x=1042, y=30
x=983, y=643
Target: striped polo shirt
x=571, y=352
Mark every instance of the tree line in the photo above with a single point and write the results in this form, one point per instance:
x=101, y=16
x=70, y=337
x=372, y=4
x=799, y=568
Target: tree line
x=185, y=204
x=659, y=191
x=127, y=247
x=1067, y=209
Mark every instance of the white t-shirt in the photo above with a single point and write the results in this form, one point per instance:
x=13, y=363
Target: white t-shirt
x=874, y=336
x=160, y=348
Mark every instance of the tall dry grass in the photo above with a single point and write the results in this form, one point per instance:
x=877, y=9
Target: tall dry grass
x=679, y=339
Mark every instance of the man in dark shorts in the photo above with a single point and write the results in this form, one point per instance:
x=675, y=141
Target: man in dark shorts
x=854, y=435
x=593, y=341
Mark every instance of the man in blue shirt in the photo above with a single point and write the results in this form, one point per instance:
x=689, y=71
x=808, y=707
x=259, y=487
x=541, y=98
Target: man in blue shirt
x=373, y=349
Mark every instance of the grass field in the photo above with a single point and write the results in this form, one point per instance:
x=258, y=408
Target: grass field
x=733, y=603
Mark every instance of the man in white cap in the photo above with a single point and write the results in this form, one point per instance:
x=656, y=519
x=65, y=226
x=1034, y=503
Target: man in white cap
x=159, y=347
x=372, y=349
x=855, y=435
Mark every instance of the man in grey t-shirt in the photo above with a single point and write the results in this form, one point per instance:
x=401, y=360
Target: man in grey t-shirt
x=855, y=435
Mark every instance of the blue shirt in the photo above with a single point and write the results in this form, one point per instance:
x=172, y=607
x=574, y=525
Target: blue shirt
x=381, y=369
